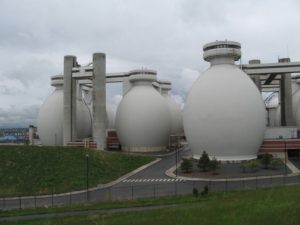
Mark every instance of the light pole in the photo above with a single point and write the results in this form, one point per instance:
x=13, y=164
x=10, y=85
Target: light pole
x=176, y=159
x=177, y=152
x=87, y=176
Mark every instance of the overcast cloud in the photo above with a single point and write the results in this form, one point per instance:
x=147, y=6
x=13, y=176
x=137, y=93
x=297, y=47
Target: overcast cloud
x=165, y=35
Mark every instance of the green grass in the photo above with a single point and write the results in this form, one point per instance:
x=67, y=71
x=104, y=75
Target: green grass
x=276, y=206
x=103, y=205
x=33, y=170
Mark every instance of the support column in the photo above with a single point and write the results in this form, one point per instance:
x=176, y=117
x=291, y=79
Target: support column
x=74, y=109
x=99, y=100
x=287, y=118
x=256, y=78
x=69, y=114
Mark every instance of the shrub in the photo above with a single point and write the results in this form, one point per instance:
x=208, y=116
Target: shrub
x=266, y=160
x=214, y=164
x=243, y=166
x=195, y=192
x=204, y=161
x=186, y=165
x=253, y=165
x=275, y=163
x=205, y=191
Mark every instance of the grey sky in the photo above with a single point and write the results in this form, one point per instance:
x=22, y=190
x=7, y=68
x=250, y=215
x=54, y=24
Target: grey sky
x=165, y=35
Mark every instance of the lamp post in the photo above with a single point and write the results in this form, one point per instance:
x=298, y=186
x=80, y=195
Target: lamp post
x=87, y=176
x=176, y=159
x=177, y=152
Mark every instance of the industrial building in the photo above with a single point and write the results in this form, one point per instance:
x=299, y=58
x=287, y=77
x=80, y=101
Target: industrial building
x=76, y=114
x=18, y=135
x=224, y=112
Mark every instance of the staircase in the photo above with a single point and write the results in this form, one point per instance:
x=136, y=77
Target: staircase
x=83, y=144
x=279, y=145
x=112, y=141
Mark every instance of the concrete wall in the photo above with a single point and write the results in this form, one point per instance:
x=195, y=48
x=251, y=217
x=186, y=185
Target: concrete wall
x=283, y=132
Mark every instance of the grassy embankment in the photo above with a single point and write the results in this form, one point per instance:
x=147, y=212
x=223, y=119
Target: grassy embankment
x=32, y=170
x=274, y=206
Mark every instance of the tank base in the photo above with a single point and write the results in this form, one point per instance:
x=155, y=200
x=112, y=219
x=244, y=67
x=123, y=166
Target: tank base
x=144, y=149
x=236, y=158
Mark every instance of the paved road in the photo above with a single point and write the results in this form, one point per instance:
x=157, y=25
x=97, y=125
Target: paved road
x=156, y=172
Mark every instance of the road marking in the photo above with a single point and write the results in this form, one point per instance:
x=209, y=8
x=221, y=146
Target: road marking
x=152, y=180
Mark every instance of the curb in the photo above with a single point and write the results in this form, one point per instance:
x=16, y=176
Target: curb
x=292, y=167
x=170, y=173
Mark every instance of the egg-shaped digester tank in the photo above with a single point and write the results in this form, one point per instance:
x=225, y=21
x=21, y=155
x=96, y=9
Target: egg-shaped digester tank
x=224, y=114
x=142, y=120
x=273, y=110
x=50, y=117
x=175, y=111
x=110, y=114
x=84, y=117
x=110, y=117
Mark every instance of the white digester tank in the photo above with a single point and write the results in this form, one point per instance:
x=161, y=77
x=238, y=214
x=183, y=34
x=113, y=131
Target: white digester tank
x=273, y=110
x=50, y=117
x=175, y=111
x=224, y=114
x=143, y=120
x=84, y=117
x=110, y=115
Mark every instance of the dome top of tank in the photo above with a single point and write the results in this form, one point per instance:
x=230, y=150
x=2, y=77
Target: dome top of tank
x=225, y=48
x=165, y=85
x=57, y=80
x=142, y=75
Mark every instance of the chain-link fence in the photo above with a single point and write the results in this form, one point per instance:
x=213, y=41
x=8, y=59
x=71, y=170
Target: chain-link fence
x=144, y=190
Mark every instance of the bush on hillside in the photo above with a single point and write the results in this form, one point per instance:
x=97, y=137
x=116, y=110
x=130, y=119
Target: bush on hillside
x=186, y=165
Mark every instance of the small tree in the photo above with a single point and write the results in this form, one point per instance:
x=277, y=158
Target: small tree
x=205, y=191
x=204, y=161
x=195, y=192
x=275, y=163
x=243, y=166
x=186, y=165
x=253, y=165
x=214, y=165
x=266, y=160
